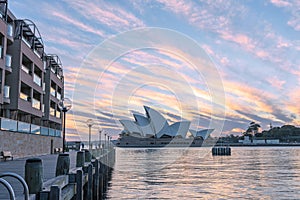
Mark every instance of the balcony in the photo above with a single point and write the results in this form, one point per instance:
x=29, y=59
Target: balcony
x=57, y=114
x=1, y=50
x=37, y=80
x=24, y=96
x=52, y=91
x=58, y=96
x=30, y=36
x=52, y=111
x=8, y=59
x=25, y=69
x=6, y=94
x=10, y=30
x=36, y=104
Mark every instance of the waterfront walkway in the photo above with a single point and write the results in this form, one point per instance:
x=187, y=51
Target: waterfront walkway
x=18, y=166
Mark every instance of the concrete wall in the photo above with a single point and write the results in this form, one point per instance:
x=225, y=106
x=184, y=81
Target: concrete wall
x=24, y=145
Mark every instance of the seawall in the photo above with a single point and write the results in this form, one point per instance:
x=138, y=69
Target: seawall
x=24, y=145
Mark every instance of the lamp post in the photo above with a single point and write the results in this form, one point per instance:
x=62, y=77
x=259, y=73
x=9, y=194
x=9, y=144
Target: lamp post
x=104, y=140
x=100, y=132
x=90, y=123
x=65, y=104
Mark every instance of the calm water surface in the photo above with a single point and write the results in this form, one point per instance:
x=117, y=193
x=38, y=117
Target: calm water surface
x=249, y=173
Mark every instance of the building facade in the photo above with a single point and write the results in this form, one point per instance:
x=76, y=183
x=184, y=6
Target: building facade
x=31, y=81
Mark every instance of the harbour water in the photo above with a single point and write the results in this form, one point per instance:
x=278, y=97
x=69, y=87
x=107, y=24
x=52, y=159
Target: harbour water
x=249, y=173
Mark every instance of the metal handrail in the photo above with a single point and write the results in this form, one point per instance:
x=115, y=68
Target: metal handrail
x=18, y=177
x=9, y=188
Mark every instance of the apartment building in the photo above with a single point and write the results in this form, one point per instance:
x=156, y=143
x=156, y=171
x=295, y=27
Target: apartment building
x=31, y=81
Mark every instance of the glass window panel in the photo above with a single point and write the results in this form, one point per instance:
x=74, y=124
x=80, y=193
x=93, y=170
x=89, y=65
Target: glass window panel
x=44, y=131
x=58, y=133
x=23, y=127
x=35, y=129
x=8, y=124
x=51, y=132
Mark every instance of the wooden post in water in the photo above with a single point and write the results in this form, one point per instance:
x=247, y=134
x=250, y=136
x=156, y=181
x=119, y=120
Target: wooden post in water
x=80, y=159
x=63, y=164
x=79, y=186
x=34, y=175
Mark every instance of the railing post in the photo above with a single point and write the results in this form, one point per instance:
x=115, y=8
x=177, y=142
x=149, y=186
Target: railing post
x=96, y=180
x=100, y=179
x=90, y=182
x=55, y=193
x=87, y=155
x=63, y=164
x=79, y=185
x=80, y=159
x=34, y=175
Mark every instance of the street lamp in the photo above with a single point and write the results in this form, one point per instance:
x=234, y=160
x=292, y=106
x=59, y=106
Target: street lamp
x=90, y=123
x=100, y=132
x=104, y=140
x=65, y=104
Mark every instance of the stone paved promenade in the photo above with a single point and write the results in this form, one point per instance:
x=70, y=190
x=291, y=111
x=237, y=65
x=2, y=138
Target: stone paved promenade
x=18, y=166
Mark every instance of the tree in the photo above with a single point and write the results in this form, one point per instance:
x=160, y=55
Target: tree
x=253, y=128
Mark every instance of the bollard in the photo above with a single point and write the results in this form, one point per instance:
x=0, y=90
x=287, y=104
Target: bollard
x=34, y=175
x=80, y=159
x=63, y=164
x=88, y=155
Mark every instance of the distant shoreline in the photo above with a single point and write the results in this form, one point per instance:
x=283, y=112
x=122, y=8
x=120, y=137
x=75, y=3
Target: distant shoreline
x=259, y=145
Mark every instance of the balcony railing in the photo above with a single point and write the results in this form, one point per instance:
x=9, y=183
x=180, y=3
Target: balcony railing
x=1, y=50
x=52, y=91
x=57, y=114
x=52, y=111
x=23, y=127
x=36, y=104
x=8, y=60
x=25, y=69
x=26, y=42
x=37, y=79
x=58, y=96
x=24, y=96
x=10, y=30
x=6, y=91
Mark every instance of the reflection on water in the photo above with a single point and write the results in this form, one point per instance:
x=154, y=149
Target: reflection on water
x=249, y=173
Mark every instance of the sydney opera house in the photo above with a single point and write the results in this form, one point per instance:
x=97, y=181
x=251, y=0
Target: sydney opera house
x=153, y=129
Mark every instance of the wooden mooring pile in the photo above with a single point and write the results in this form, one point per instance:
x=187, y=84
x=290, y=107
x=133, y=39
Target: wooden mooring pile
x=221, y=151
x=88, y=181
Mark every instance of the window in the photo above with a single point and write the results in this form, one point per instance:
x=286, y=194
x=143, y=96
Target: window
x=26, y=64
x=25, y=92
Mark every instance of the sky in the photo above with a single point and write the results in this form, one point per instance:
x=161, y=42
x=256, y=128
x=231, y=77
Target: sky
x=217, y=63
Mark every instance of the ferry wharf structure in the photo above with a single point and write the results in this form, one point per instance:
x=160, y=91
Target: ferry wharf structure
x=76, y=175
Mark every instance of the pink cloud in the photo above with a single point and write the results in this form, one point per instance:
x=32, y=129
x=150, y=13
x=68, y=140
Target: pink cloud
x=293, y=6
x=105, y=13
x=281, y=3
x=275, y=82
x=77, y=23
